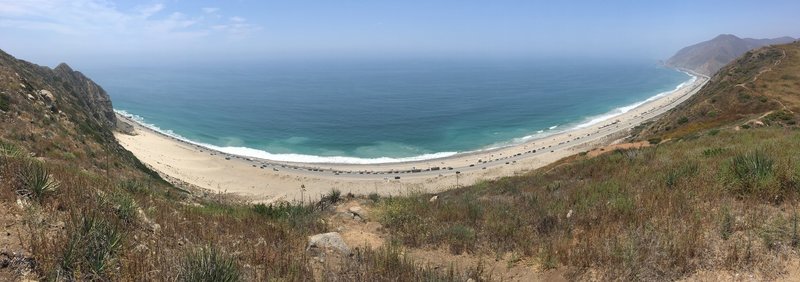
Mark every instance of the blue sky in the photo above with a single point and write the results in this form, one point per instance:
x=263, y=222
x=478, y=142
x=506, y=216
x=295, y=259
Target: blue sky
x=106, y=32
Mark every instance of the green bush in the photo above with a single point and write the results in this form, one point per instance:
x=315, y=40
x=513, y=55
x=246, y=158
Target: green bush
x=5, y=102
x=374, y=197
x=683, y=120
x=334, y=196
x=91, y=249
x=209, y=264
x=36, y=181
x=11, y=150
x=461, y=238
x=749, y=169
x=713, y=152
x=654, y=141
x=124, y=206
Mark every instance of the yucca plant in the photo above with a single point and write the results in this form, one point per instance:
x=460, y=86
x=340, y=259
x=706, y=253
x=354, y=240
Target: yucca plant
x=10, y=150
x=92, y=247
x=209, y=264
x=37, y=182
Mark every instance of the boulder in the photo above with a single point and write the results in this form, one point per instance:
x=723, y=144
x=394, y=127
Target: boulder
x=331, y=240
x=434, y=198
x=47, y=95
x=357, y=211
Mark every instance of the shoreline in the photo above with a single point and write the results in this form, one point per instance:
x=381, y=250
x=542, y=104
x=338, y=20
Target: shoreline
x=541, y=134
x=270, y=180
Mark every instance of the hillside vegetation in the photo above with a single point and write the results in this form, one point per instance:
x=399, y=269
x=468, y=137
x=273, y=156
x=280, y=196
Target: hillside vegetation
x=77, y=206
x=760, y=88
x=709, y=56
x=715, y=197
x=721, y=196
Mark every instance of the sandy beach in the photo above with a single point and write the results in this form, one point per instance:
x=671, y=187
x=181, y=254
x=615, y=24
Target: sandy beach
x=268, y=181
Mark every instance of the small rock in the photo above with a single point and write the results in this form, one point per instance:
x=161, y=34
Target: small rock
x=434, y=198
x=155, y=227
x=569, y=214
x=358, y=212
x=47, y=95
x=141, y=248
x=331, y=240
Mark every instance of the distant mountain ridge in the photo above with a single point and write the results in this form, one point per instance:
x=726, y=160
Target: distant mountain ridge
x=761, y=87
x=709, y=56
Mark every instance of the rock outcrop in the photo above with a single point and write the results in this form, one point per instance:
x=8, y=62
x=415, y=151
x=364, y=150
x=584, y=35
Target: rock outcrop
x=94, y=97
x=59, y=89
x=328, y=241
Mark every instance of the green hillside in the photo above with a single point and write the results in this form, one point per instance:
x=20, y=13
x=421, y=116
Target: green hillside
x=720, y=196
x=761, y=87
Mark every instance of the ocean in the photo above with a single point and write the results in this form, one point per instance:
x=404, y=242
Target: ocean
x=373, y=111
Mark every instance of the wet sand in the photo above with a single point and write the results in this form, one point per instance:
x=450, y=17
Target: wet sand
x=267, y=181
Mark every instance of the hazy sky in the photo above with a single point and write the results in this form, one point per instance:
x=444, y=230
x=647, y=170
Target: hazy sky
x=97, y=32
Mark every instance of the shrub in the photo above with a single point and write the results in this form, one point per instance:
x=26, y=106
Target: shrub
x=334, y=196
x=749, y=169
x=374, y=197
x=134, y=187
x=683, y=120
x=390, y=263
x=726, y=225
x=297, y=216
x=92, y=247
x=36, y=181
x=460, y=238
x=713, y=152
x=5, y=102
x=11, y=150
x=209, y=264
x=778, y=116
x=124, y=206
x=282, y=210
x=654, y=141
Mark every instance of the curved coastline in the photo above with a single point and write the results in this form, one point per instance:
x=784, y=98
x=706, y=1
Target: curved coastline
x=273, y=180
x=300, y=159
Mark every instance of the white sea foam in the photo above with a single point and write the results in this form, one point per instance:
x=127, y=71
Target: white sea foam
x=301, y=158
x=297, y=158
x=591, y=120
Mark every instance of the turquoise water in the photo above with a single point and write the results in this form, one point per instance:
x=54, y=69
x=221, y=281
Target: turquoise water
x=378, y=111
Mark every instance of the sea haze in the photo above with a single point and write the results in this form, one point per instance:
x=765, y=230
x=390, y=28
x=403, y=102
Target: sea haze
x=378, y=111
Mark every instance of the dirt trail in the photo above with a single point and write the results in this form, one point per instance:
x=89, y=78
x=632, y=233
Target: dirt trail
x=758, y=75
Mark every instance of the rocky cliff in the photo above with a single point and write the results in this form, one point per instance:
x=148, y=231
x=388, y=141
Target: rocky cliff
x=44, y=98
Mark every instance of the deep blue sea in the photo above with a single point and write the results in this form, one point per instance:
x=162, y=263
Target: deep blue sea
x=378, y=110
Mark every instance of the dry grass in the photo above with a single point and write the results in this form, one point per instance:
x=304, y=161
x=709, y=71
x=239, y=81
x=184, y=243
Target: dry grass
x=760, y=81
x=664, y=212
